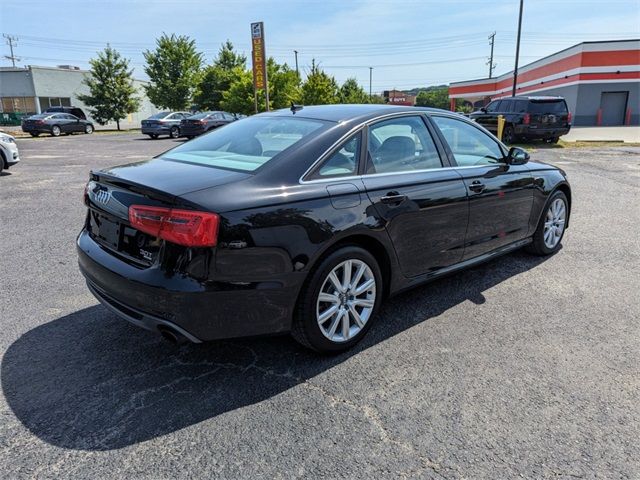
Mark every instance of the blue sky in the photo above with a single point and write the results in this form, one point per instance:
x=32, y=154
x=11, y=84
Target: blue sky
x=409, y=43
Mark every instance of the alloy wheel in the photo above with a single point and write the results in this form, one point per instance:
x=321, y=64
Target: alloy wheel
x=554, y=223
x=346, y=300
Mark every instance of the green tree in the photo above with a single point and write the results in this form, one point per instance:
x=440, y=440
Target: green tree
x=435, y=97
x=173, y=69
x=319, y=88
x=284, y=85
x=352, y=92
x=379, y=99
x=239, y=97
x=218, y=77
x=464, y=107
x=111, y=91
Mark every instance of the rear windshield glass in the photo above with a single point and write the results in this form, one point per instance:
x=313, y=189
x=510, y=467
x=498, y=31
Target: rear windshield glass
x=40, y=115
x=548, y=106
x=246, y=144
x=160, y=115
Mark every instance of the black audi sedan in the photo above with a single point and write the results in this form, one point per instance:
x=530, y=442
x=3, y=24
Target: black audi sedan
x=55, y=124
x=203, y=122
x=303, y=221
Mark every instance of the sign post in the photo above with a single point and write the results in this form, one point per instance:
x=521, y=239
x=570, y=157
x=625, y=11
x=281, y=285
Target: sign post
x=259, y=62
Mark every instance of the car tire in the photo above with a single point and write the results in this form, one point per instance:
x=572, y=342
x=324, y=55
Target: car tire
x=35, y=134
x=174, y=132
x=553, y=140
x=153, y=136
x=314, y=326
x=551, y=227
x=55, y=131
x=508, y=135
x=88, y=129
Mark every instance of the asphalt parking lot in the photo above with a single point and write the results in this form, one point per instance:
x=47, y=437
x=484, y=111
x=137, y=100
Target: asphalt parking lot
x=524, y=367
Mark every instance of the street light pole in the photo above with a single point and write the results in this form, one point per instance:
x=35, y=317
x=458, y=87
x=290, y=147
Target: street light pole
x=370, y=77
x=515, y=70
x=296, y=54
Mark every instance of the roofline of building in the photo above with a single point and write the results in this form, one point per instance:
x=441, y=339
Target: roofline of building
x=40, y=67
x=559, y=52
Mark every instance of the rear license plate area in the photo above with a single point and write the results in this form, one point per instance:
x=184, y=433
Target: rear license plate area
x=104, y=230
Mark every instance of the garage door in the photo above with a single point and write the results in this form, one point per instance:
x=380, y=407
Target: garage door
x=614, y=106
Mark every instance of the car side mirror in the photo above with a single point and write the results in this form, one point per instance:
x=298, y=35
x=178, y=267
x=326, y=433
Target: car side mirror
x=517, y=156
x=483, y=110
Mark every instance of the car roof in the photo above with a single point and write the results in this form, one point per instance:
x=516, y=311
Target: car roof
x=342, y=112
x=534, y=97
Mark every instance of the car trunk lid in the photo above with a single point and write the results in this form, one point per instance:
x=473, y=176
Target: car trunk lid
x=156, y=182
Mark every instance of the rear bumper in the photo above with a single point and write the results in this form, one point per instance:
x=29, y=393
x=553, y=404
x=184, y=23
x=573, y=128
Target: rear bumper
x=527, y=131
x=187, y=131
x=155, y=129
x=153, y=298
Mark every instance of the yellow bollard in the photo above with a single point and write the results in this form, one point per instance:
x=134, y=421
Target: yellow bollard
x=500, y=126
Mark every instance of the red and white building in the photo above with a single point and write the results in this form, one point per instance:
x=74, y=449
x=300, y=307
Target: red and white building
x=599, y=80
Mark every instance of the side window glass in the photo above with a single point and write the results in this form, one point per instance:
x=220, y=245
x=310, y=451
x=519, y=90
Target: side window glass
x=492, y=107
x=520, y=106
x=470, y=145
x=400, y=145
x=508, y=106
x=342, y=162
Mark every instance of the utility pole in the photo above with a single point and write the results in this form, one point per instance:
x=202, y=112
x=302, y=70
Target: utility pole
x=296, y=54
x=515, y=70
x=492, y=39
x=370, y=77
x=10, y=42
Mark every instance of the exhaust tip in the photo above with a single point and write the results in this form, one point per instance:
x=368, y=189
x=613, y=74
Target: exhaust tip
x=171, y=335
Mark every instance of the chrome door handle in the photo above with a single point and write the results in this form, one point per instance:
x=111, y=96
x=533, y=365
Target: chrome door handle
x=477, y=186
x=393, y=198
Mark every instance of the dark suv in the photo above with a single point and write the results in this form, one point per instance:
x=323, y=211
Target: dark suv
x=528, y=118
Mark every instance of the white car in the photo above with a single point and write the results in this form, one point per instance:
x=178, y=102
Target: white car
x=8, y=151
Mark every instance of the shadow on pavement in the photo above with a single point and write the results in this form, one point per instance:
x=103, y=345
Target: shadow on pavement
x=90, y=381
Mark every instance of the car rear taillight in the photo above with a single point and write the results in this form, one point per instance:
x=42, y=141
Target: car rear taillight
x=85, y=197
x=526, y=119
x=184, y=227
x=569, y=117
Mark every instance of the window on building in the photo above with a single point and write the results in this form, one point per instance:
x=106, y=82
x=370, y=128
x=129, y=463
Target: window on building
x=18, y=105
x=47, y=102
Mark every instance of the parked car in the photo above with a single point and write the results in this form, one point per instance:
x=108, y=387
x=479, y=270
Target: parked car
x=55, y=124
x=76, y=111
x=546, y=118
x=9, y=154
x=305, y=221
x=164, y=123
x=203, y=122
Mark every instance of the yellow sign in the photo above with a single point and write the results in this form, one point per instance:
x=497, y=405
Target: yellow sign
x=257, y=56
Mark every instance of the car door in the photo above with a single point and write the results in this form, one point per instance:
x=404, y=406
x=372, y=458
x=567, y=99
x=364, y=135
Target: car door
x=421, y=201
x=64, y=122
x=500, y=195
x=75, y=125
